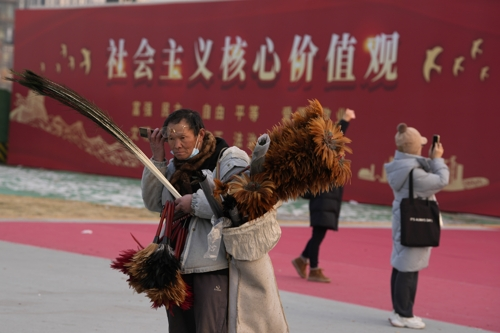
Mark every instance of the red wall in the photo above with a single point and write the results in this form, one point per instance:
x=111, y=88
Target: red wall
x=397, y=79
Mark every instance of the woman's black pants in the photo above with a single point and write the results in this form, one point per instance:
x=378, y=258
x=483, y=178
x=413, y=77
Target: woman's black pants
x=403, y=291
x=312, y=248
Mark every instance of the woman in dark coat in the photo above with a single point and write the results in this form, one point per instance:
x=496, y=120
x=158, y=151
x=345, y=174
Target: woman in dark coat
x=324, y=211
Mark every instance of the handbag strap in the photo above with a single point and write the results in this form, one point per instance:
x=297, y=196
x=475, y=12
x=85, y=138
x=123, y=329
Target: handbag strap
x=411, y=186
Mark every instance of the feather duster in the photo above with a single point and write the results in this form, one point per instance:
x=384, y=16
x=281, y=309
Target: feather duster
x=135, y=267
x=220, y=189
x=344, y=173
x=254, y=195
x=155, y=270
x=158, y=270
x=125, y=257
x=179, y=294
x=329, y=142
x=302, y=117
x=70, y=98
x=306, y=154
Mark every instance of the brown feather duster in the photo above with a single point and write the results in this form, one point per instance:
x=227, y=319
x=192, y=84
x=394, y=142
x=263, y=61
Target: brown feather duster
x=328, y=140
x=178, y=294
x=220, y=190
x=344, y=172
x=137, y=263
x=304, y=154
x=254, y=195
x=302, y=117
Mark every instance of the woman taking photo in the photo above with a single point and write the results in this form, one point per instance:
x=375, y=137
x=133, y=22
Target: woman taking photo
x=430, y=175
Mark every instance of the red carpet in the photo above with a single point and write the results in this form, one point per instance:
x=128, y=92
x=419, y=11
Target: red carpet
x=461, y=285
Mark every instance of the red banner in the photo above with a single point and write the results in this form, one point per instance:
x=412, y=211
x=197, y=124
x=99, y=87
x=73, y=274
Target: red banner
x=245, y=65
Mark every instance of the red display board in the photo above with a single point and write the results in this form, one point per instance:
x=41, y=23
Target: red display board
x=246, y=65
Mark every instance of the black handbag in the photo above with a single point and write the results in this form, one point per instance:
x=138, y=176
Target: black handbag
x=420, y=221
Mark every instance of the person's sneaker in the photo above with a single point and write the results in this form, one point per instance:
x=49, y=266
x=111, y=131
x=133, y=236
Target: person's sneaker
x=316, y=275
x=301, y=267
x=395, y=320
x=413, y=322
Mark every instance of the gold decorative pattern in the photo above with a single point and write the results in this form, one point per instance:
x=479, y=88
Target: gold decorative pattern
x=30, y=110
x=457, y=180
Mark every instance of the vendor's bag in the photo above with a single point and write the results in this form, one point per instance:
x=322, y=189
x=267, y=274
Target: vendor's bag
x=254, y=300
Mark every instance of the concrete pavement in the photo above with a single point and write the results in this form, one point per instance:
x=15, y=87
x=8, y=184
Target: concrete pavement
x=54, y=291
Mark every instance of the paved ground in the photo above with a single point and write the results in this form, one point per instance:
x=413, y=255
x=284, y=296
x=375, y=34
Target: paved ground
x=55, y=277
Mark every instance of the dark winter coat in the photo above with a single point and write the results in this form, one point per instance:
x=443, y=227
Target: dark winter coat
x=324, y=209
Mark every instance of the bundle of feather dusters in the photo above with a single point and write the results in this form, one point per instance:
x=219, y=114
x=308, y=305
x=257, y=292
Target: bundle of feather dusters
x=305, y=154
x=155, y=269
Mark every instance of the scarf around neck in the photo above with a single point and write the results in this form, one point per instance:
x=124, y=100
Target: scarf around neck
x=185, y=169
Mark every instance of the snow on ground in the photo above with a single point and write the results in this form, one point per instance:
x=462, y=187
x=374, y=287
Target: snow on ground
x=114, y=191
x=117, y=191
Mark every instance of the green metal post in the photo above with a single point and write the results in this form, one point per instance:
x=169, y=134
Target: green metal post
x=4, y=124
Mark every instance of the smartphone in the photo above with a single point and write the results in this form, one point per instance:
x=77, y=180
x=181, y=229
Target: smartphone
x=143, y=131
x=435, y=139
